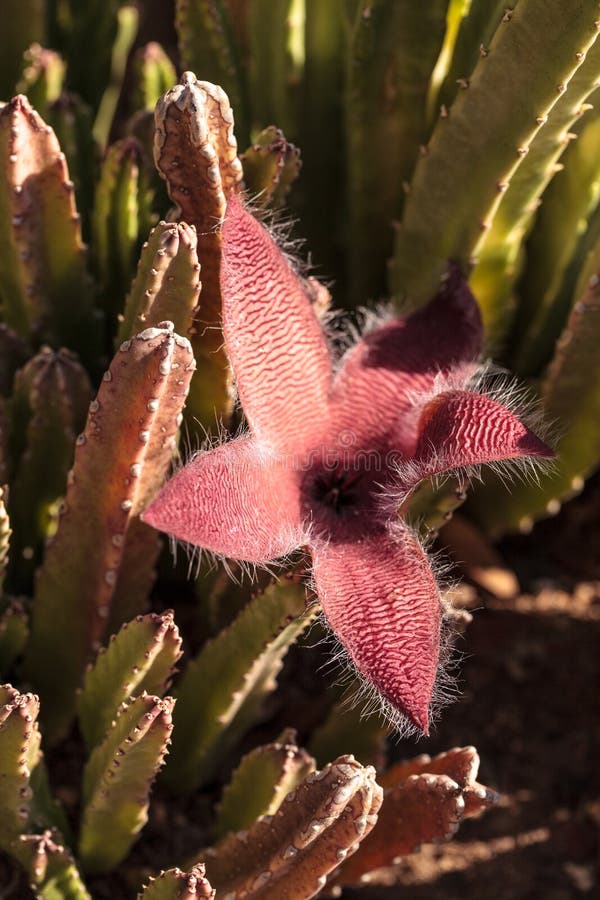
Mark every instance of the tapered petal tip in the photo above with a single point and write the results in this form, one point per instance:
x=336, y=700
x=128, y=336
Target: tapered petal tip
x=529, y=444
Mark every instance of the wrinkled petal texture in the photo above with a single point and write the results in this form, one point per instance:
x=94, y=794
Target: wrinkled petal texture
x=460, y=428
x=374, y=393
x=235, y=500
x=381, y=599
x=275, y=343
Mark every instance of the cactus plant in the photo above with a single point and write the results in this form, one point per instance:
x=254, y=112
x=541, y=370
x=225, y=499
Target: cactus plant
x=415, y=145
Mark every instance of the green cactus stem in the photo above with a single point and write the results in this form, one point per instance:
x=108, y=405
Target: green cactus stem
x=43, y=77
x=570, y=395
x=441, y=219
x=51, y=867
x=118, y=778
x=271, y=165
x=195, y=151
x=393, y=50
x=44, y=288
x=566, y=228
x=207, y=44
x=177, y=885
x=141, y=657
x=270, y=63
x=222, y=691
x=292, y=853
x=121, y=459
x=167, y=285
x=500, y=254
x=476, y=28
x=319, y=45
x=48, y=410
x=121, y=219
x=14, y=631
x=19, y=754
x=72, y=122
x=127, y=28
x=153, y=73
x=260, y=783
x=22, y=25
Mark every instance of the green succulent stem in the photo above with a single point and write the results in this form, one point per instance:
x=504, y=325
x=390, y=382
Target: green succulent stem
x=441, y=219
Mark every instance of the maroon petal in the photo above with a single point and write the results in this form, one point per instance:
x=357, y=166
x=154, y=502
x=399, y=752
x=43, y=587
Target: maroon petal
x=383, y=373
x=381, y=599
x=460, y=428
x=275, y=342
x=234, y=501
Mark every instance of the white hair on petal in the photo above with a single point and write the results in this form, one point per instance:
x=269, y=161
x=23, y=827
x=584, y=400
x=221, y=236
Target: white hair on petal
x=360, y=692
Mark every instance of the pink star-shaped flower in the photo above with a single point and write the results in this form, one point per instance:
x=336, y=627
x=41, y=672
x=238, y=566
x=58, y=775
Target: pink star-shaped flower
x=331, y=454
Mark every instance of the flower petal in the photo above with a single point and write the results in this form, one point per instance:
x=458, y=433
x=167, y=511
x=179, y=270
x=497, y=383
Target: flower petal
x=383, y=373
x=381, y=599
x=275, y=343
x=461, y=428
x=234, y=501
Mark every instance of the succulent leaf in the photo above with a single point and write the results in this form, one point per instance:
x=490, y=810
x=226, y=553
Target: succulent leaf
x=478, y=22
x=177, y=885
x=441, y=220
x=19, y=754
x=153, y=73
x=195, y=151
x=291, y=853
x=167, y=284
x=207, y=44
x=393, y=50
x=44, y=287
x=461, y=764
x=260, y=783
x=566, y=230
x=499, y=258
x=424, y=800
x=49, y=405
x=51, y=867
x=221, y=692
x=423, y=809
x=118, y=778
x=43, y=77
x=271, y=165
x=270, y=62
x=141, y=657
x=121, y=219
x=22, y=25
x=120, y=460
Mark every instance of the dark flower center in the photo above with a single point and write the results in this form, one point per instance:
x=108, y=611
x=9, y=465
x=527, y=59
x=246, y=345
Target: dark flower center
x=337, y=488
